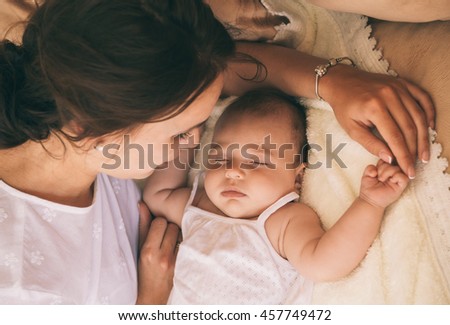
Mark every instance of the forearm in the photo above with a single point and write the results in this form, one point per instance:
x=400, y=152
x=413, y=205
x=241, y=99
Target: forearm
x=407, y=11
x=293, y=74
x=167, y=178
x=344, y=245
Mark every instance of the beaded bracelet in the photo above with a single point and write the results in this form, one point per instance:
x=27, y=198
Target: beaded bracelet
x=322, y=70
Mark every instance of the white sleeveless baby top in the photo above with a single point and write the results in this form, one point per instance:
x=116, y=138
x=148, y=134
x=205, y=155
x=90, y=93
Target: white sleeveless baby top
x=231, y=261
x=56, y=254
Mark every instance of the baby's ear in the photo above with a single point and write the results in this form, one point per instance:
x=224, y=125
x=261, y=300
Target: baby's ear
x=299, y=172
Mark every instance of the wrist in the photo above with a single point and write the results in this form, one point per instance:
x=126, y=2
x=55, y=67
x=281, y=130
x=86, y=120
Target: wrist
x=154, y=293
x=325, y=73
x=369, y=203
x=150, y=300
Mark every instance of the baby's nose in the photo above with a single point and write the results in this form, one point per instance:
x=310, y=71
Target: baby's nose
x=234, y=172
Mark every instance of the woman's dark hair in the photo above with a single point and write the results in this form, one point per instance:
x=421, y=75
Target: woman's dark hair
x=107, y=65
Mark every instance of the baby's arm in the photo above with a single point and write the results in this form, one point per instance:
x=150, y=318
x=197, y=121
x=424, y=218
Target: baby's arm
x=165, y=191
x=330, y=255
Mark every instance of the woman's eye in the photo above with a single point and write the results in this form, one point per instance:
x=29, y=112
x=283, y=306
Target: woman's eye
x=184, y=136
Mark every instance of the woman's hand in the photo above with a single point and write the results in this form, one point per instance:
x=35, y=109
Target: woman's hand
x=158, y=248
x=399, y=110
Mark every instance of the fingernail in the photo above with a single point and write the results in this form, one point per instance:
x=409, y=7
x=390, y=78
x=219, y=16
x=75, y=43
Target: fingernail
x=385, y=157
x=425, y=157
x=411, y=173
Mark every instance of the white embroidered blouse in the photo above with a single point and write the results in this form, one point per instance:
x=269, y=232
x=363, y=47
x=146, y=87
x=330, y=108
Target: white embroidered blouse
x=56, y=254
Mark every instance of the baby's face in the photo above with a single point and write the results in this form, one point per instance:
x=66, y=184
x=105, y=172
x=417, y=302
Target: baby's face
x=251, y=165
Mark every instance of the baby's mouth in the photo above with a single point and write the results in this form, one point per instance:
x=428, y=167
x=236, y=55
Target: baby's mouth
x=232, y=192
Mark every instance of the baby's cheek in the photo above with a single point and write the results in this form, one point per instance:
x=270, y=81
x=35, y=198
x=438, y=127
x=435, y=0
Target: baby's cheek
x=207, y=183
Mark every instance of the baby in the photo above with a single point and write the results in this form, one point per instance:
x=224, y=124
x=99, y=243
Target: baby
x=246, y=238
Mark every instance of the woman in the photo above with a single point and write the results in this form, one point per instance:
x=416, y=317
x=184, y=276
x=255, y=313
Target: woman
x=94, y=88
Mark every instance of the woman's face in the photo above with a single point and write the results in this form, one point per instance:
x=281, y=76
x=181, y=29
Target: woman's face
x=136, y=155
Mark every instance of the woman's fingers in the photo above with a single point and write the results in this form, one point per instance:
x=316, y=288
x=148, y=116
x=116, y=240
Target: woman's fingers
x=422, y=113
x=402, y=124
x=394, y=144
x=156, y=262
x=162, y=236
x=400, y=110
x=156, y=233
x=395, y=125
x=423, y=99
x=421, y=128
x=144, y=222
x=373, y=144
x=171, y=238
x=412, y=121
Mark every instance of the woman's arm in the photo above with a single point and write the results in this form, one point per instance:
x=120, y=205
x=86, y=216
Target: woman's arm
x=394, y=10
x=399, y=110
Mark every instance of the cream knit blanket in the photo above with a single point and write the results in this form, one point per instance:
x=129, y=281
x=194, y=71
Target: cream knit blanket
x=409, y=263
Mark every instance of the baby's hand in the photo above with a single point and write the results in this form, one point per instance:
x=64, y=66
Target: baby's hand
x=382, y=184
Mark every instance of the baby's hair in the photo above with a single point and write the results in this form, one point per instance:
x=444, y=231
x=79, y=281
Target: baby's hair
x=271, y=102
